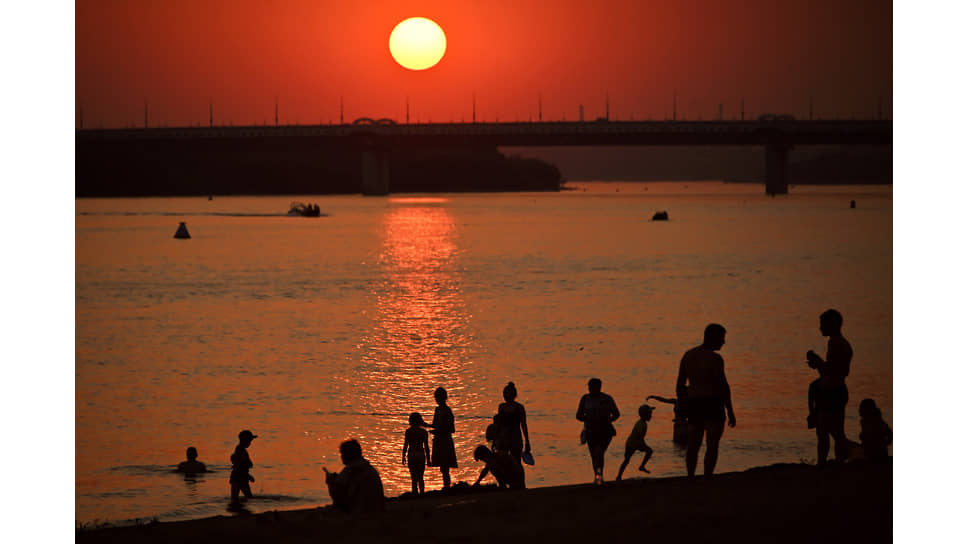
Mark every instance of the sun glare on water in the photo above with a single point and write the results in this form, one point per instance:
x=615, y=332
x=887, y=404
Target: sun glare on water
x=417, y=43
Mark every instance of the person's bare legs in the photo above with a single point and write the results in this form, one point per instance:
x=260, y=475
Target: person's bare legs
x=692, y=449
x=648, y=455
x=445, y=474
x=823, y=437
x=621, y=467
x=714, y=431
x=840, y=437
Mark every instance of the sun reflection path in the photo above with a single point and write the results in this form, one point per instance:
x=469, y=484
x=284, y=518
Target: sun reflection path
x=420, y=340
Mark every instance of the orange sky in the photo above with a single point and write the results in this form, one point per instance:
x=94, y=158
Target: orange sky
x=176, y=54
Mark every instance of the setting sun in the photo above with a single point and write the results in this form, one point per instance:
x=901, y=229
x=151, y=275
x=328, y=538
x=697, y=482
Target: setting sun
x=417, y=43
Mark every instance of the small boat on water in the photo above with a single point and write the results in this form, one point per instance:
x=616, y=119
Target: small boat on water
x=303, y=210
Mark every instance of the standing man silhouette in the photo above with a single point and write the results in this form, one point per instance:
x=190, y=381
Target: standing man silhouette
x=829, y=393
x=705, y=398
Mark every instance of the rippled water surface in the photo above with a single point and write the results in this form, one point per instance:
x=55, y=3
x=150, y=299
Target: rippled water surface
x=309, y=331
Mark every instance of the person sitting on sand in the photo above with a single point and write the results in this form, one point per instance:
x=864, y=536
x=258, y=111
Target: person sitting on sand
x=706, y=396
x=875, y=434
x=597, y=410
x=636, y=441
x=680, y=429
x=241, y=463
x=357, y=488
x=827, y=396
x=415, y=441
x=506, y=469
x=192, y=465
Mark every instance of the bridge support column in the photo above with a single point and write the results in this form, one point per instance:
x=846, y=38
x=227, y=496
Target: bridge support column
x=776, y=166
x=375, y=172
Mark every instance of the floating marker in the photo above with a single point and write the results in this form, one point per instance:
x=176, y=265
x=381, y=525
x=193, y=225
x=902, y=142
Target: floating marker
x=182, y=231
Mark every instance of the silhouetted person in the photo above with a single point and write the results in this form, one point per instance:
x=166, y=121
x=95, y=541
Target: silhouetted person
x=680, y=428
x=357, y=488
x=415, y=442
x=443, y=454
x=636, y=441
x=853, y=204
x=705, y=398
x=493, y=435
x=597, y=410
x=241, y=463
x=875, y=434
x=513, y=421
x=192, y=465
x=506, y=469
x=828, y=395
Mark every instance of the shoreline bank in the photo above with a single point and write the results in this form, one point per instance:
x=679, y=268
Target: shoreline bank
x=785, y=502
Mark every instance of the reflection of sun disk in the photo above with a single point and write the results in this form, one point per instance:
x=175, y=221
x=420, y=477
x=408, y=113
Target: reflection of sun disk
x=417, y=43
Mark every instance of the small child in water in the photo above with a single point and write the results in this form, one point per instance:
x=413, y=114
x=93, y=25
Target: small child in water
x=636, y=441
x=875, y=434
x=415, y=442
x=241, y=463
x=192, y=465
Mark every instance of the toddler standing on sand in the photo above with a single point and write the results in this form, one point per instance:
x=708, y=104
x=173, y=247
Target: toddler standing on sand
x=636, y=441
x=415, y=441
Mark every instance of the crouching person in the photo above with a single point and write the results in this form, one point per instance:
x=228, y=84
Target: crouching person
x=506, y=469
x=357, y=488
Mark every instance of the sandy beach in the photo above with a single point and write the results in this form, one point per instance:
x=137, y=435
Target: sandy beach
x=779, y=503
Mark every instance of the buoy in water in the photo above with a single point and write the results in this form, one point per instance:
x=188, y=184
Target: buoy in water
x=182, y=231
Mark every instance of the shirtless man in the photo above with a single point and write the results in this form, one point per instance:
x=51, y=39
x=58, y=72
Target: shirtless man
x=704, y=398
x=829, y=395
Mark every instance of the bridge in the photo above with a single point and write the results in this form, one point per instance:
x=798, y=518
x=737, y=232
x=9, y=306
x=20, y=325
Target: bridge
x=375, y=140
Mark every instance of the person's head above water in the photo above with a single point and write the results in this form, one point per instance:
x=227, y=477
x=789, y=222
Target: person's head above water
x=440, y=395
x=416, y=420
x=830, y=322
x=714, y=336
x=350, y=451
x=191, y=453
x=246, y=436
x=510, y=392
x=594, y=385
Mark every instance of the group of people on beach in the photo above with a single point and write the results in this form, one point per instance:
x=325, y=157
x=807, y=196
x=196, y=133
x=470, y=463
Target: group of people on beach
x=702, y=407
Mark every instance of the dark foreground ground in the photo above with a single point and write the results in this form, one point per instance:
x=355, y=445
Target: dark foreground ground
x=780, y=503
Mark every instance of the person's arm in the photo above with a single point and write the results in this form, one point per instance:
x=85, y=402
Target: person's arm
x=615, y=413
x=484, y=472
x=727, y=396
x=661, y=399
x=406, y=444
x=681, y=379
x=524, y=429
x=580, y=414
x=426, y=448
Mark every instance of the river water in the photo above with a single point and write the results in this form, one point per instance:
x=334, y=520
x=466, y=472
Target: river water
x=309, y=331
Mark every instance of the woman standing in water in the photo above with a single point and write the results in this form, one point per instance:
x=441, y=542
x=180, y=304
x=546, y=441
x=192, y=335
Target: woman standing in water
x=513, y=421
x=442, y=453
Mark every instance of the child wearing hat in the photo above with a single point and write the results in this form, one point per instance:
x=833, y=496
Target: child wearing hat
x=636, y=440
x=241, y=463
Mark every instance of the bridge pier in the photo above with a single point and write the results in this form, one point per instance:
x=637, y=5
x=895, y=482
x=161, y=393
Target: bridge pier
x=375, y=179
x=776, y=169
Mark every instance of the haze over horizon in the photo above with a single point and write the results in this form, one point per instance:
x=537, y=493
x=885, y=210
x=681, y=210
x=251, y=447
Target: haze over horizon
x=502, y=58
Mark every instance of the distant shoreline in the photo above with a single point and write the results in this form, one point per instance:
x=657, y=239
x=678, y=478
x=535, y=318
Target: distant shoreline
x=784, y=502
